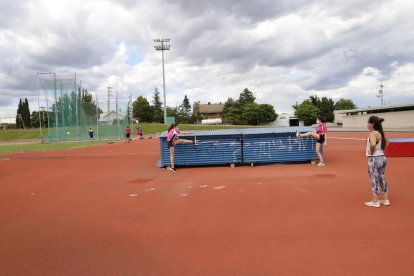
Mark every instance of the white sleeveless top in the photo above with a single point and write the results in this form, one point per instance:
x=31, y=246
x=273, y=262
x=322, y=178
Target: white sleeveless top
x=378, y=151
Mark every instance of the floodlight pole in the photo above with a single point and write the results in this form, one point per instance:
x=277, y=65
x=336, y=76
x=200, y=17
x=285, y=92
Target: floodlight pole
x=163, y=47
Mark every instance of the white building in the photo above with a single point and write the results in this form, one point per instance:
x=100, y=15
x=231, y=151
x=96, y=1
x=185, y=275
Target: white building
x=286, y=120
x=109, y=117
x=395, y=116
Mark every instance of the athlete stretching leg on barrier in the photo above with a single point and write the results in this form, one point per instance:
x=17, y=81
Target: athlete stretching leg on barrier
x=320, y=135
x=172, y=139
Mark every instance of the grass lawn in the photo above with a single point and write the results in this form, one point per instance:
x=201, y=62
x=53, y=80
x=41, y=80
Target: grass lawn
x=34, y=133
x=18, y=137
x=7, y=148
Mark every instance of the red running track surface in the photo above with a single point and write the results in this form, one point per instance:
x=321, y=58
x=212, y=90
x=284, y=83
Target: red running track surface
x=107, y=210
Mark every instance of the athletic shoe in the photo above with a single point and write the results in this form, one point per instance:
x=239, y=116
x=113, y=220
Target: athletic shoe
x=313, y=162
x=385, y=202
x=321, y=164
x=373, y=204
x=172, y=169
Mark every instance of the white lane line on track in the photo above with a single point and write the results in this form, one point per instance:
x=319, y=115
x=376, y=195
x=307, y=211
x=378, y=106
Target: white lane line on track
x=343, y=138
x=219, y=187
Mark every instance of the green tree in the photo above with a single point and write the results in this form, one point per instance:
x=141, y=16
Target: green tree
x=89, y=107
x=307, y=112
x=184, y=112
x=251, y=114
x=258, y=114
x=172, y=112
x=246, y=97
x=157, y=107
x=345, y=104
x=19, y=123
x=227, y=104
x=327, y=107
x=142, y=110
x=246, y=111
x=268, y=113
x=26, y=113
x=233, y=113
x=38, y=118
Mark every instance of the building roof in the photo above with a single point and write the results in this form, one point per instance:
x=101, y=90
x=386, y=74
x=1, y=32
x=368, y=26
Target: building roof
x=210, y=108
x=385, y=108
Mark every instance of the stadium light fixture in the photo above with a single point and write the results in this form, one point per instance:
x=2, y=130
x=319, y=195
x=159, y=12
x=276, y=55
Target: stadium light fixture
x=162, y=46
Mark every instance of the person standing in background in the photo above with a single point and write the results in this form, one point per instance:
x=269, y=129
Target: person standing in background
x=377, y=162
x=127, y=134
x=90, y=133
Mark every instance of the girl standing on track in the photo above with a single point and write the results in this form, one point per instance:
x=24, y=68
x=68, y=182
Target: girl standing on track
x=377, y=161
x=321, y=137
x=127, y=134
x=172, y=139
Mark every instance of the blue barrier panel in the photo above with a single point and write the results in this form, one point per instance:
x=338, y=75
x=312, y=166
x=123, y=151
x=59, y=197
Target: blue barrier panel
x=213, y=147
x=277, y=145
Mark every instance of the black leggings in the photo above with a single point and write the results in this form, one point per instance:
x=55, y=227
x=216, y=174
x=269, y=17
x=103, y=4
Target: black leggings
x=321, y=138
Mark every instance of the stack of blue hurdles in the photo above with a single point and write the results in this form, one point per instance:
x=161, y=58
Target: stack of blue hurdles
x=241, y=146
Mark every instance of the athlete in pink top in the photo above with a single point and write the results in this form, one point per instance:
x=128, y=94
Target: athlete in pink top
x=172, y=139
x=127, y=134
x=321, y=137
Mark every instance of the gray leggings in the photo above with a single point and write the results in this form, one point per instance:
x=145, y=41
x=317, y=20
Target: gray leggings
x=376, y=170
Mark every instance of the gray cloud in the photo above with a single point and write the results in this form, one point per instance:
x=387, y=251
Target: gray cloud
x=283, y=50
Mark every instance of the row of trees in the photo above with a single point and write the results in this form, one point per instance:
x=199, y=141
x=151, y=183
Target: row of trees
x=69, y=108
x=309, y=109
x=23, y=114
x=146, y=112
x=244, y=111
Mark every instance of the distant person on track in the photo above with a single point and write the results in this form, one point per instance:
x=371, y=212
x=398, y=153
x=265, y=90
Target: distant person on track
x=139, y=133
x=321, y=138
x=90, y=133
x=172, y=140
x=377, y=161
x=127, y=134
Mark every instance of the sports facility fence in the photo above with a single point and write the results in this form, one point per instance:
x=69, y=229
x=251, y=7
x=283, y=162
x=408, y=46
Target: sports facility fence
x=71, y=112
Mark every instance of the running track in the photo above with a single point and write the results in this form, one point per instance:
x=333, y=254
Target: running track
x=107, y=210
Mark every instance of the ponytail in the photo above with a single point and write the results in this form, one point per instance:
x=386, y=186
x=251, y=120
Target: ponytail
x=173, y=125
x=377, y=125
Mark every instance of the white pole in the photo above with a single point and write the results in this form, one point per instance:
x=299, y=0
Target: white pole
x=56, y=114
x=38, y=105
x=116, y=116
x=76, y=102
x=163, y=84
x=97, y=115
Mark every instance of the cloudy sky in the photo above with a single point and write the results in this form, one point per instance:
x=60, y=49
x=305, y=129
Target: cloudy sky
x=283, y=51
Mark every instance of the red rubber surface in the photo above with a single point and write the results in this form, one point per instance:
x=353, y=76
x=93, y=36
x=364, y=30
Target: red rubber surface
x=107, y=210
